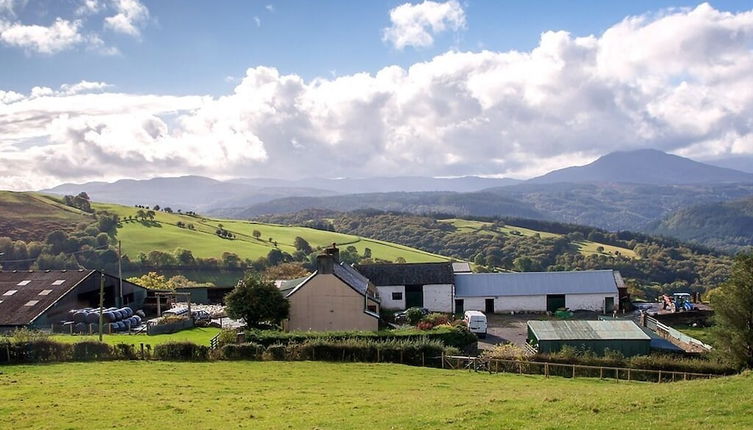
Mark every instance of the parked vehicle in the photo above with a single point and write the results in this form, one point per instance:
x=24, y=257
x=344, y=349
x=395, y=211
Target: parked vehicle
x=476, y=322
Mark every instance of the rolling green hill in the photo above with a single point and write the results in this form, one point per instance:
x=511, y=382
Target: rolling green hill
x=30, y=216
x=723, y=225
x=585, y=247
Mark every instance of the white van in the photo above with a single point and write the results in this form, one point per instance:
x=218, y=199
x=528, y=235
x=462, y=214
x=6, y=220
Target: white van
x=476, y=322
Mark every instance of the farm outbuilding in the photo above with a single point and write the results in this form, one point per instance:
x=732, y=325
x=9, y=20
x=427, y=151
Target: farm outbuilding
x=402, y=286
x=597, y=336
x=37, y=299
x=592, y=290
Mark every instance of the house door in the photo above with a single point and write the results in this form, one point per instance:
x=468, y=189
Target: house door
x=554, y=302
x=414, y=296
x=608, y=304
x=489, y=306
x=459, y=306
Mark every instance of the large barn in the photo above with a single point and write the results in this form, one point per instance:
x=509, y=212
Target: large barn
x=402, y=286
x=593, y=290
x=38, y=299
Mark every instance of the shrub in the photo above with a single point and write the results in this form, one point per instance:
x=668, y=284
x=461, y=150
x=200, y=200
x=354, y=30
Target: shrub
x=424, y=325
x=125, y=351
x=242, y=351
x=181, y=351
x=277, y=352
x=507, y=351
x=414, y=315
x=91, y=350
x=23, y=335
x=227, y=336
x=458, y=337
x=436, y=319
x=418, y=352
x=169, y=319
x=43, y=350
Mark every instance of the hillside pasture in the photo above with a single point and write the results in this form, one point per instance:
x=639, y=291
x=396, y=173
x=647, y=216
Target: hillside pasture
x=32, y=216
x=585, y=247
x=277, y=395
x=163, y=234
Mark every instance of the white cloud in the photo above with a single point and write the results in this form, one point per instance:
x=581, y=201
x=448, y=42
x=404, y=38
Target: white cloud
x=65, y=34
x=83, y=87
x=59, y=36
x=416, y=24
x=270, y=8
x=511, y=113
x=130, y=18
x=257, y=20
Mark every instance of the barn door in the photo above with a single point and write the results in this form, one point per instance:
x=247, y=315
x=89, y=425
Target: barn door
x=414, y=296
x=554, y=302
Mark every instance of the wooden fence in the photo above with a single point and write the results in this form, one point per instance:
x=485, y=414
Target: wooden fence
x=547, y=369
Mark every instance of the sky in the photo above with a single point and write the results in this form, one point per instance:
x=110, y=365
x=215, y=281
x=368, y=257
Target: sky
x=98, y=90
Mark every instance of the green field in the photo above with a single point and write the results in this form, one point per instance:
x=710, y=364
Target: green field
x=31, y=216
x=163, y=234
x=586, y=247
x=198, y=335
x=272, y=395
x=701, y=333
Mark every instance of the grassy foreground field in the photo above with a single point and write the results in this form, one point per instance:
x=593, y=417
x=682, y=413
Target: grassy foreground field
x=151, y=395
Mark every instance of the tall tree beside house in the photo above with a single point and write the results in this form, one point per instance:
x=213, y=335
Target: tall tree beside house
x=733, y=313
x=257, y=302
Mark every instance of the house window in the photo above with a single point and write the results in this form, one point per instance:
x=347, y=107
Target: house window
x=397, y=296
x=59, y=282
x=22, y=283
x=372, y=308
x=10, y=292
x=45, y=292
x=31, y=302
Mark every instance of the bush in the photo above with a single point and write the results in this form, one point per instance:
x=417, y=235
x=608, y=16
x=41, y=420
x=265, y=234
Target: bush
x=23, y=335
x=414, y=315
x=42, y=350
x=242, y=351
x=125, y=351
x=507, y=351
x=181, y=351
x=227, y=336
x=436, y=319
x=276, y=352
x=418, y=352
x=458, y=337
x=91, y=350
x=170, y=319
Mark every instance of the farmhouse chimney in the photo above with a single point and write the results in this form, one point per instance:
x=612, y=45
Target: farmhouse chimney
x=334, y=252
x=325, y=264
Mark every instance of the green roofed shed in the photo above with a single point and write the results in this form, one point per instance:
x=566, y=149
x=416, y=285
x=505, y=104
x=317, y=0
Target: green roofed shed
x=597, y=336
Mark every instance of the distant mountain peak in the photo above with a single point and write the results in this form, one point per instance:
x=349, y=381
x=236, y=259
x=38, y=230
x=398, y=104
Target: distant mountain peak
x=645, y=166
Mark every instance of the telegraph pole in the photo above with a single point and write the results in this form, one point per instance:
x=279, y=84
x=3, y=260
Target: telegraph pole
x=101, y=302
x=120, y=276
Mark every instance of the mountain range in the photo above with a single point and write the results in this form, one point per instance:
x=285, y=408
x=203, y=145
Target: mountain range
x=624, y=190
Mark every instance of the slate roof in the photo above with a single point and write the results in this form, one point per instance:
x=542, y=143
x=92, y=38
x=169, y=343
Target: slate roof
x=342, y=271
x=407, y=273
x=535, y=283
x=587, y=330
x=24, y=295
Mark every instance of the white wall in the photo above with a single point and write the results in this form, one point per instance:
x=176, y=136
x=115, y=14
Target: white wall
x=438, y=297
x=385, y=294
x=590, y=302
x=574, y=302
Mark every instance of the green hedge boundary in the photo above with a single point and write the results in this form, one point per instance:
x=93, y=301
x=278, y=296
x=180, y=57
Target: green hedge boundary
x=456, y=337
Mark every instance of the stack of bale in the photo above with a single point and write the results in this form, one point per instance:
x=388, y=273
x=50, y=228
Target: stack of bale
x=114, y=319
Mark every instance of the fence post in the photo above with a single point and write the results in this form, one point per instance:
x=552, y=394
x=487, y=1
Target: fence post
x=442, y=359
x=423, y=359
x=546, y=370
x=520, y=367
x=628, y=374
x=660, y=377
x=601, y=373
x=7, y=350
x=573, y=371
x=142, y=350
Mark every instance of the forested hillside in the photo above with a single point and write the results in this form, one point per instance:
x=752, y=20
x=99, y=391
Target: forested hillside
x=652, y=265
x=724, y=225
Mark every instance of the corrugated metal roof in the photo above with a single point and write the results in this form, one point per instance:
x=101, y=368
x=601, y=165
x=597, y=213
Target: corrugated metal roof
x=535, y=283
x=342, y=271
x=20, y=289
x=587, y=330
